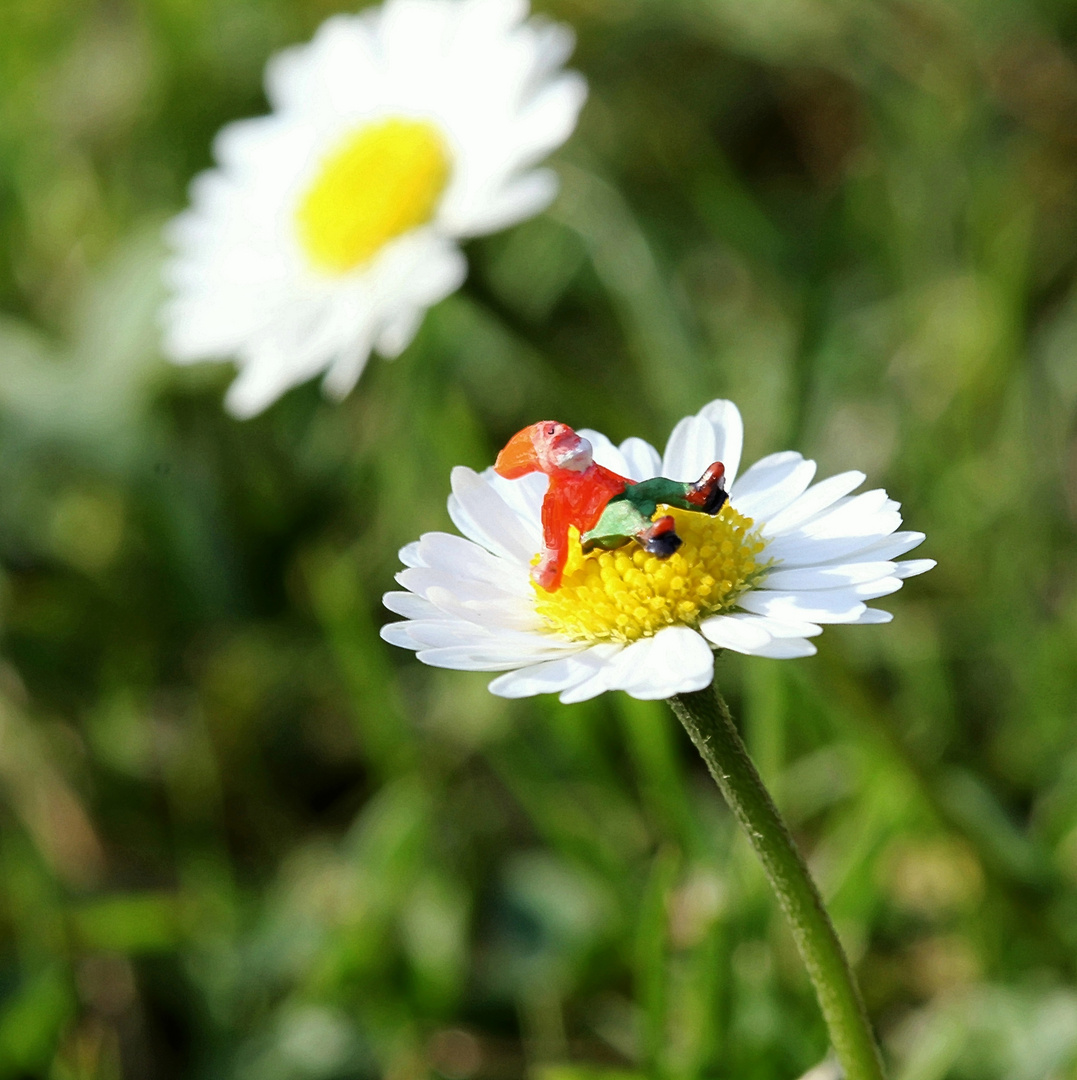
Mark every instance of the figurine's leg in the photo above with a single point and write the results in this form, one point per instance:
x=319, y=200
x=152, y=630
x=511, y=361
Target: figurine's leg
x=623, y=520
x=628, y=516
x=620, y=522
x=705, y=496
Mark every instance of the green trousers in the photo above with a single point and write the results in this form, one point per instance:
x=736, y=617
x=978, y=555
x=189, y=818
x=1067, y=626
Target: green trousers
x=629, y=514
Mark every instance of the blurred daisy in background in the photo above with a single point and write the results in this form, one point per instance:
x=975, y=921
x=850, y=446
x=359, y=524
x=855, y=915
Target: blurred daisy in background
x=782, y=558
x=331, y=225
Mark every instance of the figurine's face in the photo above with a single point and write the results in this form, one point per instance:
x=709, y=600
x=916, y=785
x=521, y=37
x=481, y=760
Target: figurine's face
x=544, y=447
x=559, y=447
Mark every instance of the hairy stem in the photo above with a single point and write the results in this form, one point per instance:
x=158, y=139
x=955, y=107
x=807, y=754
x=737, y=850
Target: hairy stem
x=706, y=718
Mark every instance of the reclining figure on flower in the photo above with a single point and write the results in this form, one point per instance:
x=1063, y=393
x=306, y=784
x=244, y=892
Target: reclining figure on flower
x=607, y=510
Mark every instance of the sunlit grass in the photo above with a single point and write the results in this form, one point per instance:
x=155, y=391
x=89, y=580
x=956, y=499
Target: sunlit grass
x=241, y=837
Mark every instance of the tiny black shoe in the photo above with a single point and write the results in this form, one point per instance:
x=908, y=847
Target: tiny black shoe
x=715, y=500
x=707, y=494
x=663, y=545
x=660, y=539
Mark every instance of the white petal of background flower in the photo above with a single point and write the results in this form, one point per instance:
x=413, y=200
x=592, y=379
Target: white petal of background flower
x=471, y=603
x=243, y=288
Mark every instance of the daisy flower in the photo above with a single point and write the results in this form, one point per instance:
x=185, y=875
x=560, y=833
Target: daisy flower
x=331, y=225
x=782, y=558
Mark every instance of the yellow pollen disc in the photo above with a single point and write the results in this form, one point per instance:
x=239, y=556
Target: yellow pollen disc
x=626, y=594
x=380, y=182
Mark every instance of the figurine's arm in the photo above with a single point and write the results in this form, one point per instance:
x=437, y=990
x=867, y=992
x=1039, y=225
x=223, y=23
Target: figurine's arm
x=555, y=523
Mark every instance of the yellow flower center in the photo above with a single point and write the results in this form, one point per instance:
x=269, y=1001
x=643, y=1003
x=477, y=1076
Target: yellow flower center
x=626, y=594
x=380, y=182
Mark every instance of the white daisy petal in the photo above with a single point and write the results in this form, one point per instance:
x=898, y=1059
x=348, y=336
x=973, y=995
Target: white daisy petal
x=495, y=612
x=484, y=656
x=730, y=632
x=827, y=577
x=587, y=688
x=258, y=385
x=307, y=78
x=890, y=546
x=836, y=549
x=499, y=615
x=344, y=373
x=240, y=142
x=524, y=498
x=691, y=448
x=488, y=613
x=728, y=426
x=447, y=633
x=641, y=459
x=780, y=628
x=875, y=615
x=444, y=633
x=872, y=590
x=413, y=26
x=747, y=633
x=605, y=662
x=550, y=115
x=616, y=669
x=481, y=515
x=553, y=45
x=398, y=633
x=283, y=265
x=524, y=198
x=409, y=605
x=786, y=649
x=409, y=554
x=423, y=579
x=911, y=567
x=605, y=453
x=865, y=509
x=826, y=606
x=808, y=556
x=464, y=559
x=397, y=333
x=476, y=602
x=770, y=485
x=553, y=676
x=675, y=661
x=495, y=17
x=851, y=527
x=816, y=499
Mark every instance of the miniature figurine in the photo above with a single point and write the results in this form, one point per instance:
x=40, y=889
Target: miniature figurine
x=608, y=510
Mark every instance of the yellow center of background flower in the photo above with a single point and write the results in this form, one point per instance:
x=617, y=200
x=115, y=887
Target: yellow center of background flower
x=382, y=181
x=626, y=594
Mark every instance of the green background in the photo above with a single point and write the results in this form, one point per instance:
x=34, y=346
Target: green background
x=241, y=837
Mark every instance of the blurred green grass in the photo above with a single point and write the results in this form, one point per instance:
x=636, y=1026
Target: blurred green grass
x=242, y=838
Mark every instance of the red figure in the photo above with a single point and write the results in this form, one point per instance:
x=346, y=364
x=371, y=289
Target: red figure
x=607, y=509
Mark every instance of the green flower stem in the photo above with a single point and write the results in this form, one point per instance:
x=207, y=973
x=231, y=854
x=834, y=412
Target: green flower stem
x=706, y=718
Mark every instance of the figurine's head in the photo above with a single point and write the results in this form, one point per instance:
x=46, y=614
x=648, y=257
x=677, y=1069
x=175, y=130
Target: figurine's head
x=543, y=447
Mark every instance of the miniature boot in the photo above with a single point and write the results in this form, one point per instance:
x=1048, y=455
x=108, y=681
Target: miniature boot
x=707, y=494
x=660, y=539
